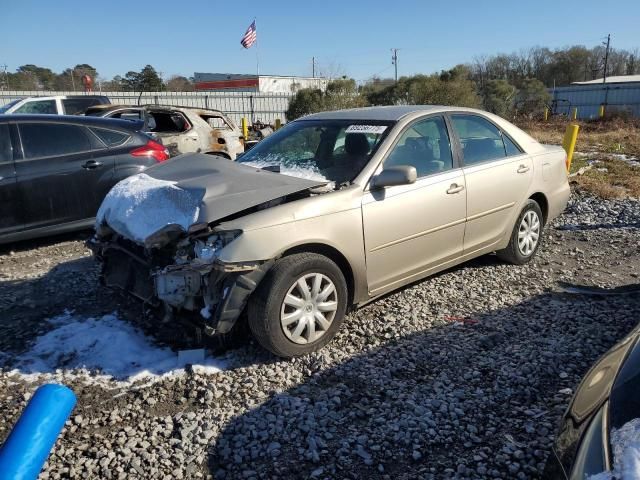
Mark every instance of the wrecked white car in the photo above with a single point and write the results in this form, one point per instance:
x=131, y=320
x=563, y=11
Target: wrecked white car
x=182, y=129
x=331, y=211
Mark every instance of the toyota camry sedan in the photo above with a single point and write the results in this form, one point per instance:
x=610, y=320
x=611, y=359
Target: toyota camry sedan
x=328, y=213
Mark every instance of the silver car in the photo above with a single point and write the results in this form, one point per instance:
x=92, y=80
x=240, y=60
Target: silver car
x=328, y=213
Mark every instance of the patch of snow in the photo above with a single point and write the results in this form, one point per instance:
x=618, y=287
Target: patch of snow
x=308, y=171
x=626, y=453
x=139, y=206
x=633, y=161
x=101, y=350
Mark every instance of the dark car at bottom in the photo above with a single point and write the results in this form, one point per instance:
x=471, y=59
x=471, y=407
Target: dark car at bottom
x=599, y=436
x=56, y=170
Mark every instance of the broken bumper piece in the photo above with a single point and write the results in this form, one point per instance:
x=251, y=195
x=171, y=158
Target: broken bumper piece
x=216, y=292
x=220, y=291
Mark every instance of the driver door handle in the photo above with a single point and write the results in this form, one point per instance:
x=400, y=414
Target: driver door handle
x=455, y=188
x=523, y=169
x=91, y=164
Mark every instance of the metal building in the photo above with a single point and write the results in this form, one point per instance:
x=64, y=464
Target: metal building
x=231, y=82
x=618, y=94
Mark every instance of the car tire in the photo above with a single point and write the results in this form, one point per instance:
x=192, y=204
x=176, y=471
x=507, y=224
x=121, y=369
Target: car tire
x=526, y=235
x=284, y=317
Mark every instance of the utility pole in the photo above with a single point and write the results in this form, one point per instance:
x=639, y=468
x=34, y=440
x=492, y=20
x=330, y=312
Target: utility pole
x=6, y=75
x=394, y=61
x=606, y=58
x=604, y=76
x=313, y=67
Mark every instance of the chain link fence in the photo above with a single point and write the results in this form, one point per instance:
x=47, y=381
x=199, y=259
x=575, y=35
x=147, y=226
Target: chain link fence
x=255, y=107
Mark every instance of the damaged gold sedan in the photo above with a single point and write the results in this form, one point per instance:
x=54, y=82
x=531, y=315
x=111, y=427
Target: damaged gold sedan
x=328, y=213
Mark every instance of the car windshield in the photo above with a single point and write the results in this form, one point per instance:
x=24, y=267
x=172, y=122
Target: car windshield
x=4, y=108
x=325, y=150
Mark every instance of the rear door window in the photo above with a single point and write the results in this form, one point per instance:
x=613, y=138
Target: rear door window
x=216, y=122
x=510, y=147
x=6, y=151
x=111, y=138
x=46, y=140
x=168, y=122
x=481, y=140
x=38, y=106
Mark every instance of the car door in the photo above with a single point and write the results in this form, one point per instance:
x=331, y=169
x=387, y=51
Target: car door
x=498, y=175
x=412, y=229
x=57, y=176
x=10, y=207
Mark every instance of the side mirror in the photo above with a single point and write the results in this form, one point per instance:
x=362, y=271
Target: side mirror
x=397, y=175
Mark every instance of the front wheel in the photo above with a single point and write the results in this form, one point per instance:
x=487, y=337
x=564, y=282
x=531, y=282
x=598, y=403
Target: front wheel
x=299, y=305
x=526, y=235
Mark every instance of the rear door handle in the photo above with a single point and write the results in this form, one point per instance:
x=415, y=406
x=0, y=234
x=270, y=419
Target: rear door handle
x=455, y=188
x=91, y=164
x=523, y=169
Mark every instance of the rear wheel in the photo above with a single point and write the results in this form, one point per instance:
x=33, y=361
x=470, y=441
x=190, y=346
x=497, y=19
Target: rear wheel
x=526, y=235
x=299, y=305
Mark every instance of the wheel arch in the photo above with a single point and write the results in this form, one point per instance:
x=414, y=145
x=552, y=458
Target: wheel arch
x=542, y=201
x=333, y=254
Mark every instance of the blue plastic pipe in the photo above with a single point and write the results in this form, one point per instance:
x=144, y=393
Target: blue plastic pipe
x=26, y=449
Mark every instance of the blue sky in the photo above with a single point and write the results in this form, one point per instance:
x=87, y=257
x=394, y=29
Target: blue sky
x=346, y=37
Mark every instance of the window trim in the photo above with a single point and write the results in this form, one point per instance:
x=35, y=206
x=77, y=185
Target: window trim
x=456, y=165
x=12, y=148
x=24, y=156
x=502, y=133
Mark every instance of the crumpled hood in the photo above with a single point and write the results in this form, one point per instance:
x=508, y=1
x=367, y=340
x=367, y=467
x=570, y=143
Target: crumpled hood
x=189, y=189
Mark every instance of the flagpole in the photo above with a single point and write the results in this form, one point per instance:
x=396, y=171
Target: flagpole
x=257, y=56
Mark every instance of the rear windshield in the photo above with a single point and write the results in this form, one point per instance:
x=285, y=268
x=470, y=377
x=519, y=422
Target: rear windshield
x=325, y=150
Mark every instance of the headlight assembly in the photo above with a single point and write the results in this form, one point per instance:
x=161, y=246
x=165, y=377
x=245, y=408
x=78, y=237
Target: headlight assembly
x=207, y=250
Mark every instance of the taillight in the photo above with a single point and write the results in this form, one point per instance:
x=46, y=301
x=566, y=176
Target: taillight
x=152, y=149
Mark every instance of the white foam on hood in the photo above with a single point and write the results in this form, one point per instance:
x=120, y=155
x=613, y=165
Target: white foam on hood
x=139, y=206
x=100, y=350
x=625, y=442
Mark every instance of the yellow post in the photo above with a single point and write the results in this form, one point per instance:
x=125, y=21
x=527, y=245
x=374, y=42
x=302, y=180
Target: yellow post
x=546, y=113
x=245, y=129
x=569, y=142
x=601, y=111
x=278, y=124
x=574, y=113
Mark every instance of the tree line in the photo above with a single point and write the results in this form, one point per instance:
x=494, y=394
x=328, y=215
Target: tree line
x=33, y=77
x=504, y=84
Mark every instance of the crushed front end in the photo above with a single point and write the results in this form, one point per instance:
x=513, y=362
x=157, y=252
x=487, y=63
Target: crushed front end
x=185, y=276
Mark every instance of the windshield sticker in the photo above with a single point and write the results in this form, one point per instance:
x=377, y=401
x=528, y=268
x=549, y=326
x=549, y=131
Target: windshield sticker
x=377, y=129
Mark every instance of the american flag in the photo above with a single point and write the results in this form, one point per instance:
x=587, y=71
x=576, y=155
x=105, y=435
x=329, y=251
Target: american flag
x=250, y=36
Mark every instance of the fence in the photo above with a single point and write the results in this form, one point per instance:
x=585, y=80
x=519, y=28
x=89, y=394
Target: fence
x=618, y=97
x=264, y=107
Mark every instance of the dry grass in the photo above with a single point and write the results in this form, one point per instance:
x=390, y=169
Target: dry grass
x=598, y=143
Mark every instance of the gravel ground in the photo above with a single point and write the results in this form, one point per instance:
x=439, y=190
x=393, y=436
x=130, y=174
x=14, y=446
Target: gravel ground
x=464, y=375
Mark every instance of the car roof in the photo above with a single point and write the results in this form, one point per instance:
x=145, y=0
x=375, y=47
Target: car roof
x=386, y=113
x=53, y=97
x=75, y=119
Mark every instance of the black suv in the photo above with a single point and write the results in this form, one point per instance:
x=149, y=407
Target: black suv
x=56, y=170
